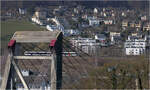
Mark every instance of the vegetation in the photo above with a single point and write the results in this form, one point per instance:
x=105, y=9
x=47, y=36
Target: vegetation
x=120, y=74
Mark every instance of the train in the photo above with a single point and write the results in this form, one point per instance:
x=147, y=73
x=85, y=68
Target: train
x=43, y=53
x=37, y=53
x=70, y=54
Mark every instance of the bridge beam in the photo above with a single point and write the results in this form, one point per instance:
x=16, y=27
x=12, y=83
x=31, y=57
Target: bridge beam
x=20, y=75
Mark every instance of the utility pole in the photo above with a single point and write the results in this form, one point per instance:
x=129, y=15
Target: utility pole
x=96, y=56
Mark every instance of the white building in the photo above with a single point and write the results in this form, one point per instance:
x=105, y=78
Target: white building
x=87, y=45
x=25, y=72
x=95, y=10
x=135, y=46
x=102, y=39
x=108, y=22
x=71, y=32
x=94, y=21
x=55, y=27
x=22, y=11
x=114, y=37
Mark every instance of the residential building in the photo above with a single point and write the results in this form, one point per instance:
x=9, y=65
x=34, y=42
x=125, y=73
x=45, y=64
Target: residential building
x=102, y=39
x=95, y=10
x=87, y=45
x=124, y=24
x=55, y=27
x=39, y=17
x=94, y=22
x=132, y=24
x=143, y=18
x=138, y=25
x=115, y=37
x=146, y=27
x=108, y=22
x=40, y=14
x=22, y=11
x=25, y=72
x=70, y=32
x=135, y=45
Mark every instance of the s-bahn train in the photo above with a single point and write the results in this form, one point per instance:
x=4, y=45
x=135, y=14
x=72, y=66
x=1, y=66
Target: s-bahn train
x=37, y=53
x=70, y=54
x=42, y=53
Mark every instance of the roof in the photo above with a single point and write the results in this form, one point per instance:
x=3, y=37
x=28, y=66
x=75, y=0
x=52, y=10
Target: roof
x=35, y=36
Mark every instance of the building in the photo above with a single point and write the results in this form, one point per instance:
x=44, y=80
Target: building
x=39, y=17
x=40, y=14
x=87, y=45
x=22, y=11
x=143, y=18
x=138, y=25
x=124, y=24
x=70, y=32
x=108, y=22
x=25, y=72
x=135, y=45
x=146, y=27
x=132, y=24
x=94, y=22
x=115, y=37
x=55, y=27
x=102, y=39
x=95, y=10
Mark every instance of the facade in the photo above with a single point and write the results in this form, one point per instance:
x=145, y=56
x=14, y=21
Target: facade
x=108, y=22
x=71, y=32
x=135, y=46
x=102, y=39
x=94, y=22
x=87, y=45
x=114, y=37
x=146, y=27
x=25, y=72
x=95, y=10
x=40, y=14
x=22, y=11
x=124, y=24
x=55, y=27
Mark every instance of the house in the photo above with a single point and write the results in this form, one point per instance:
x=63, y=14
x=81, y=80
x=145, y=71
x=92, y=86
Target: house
x=95, y=10
x=55, y=27
x=108, y=22
x=40, y=14
x=124, y=23
x=102, y=39
x=135, y=45
x=146, y=27
x=123, y=14
x=94, y=22
x=132, y=24
x=39, y=17
x=71, y=32
x=54, y=24
x=143, y=18
x=115, y=37
x=22, y=11
x=138, y=25
x=25, y=72
x=76, y=10
x=38, y=21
